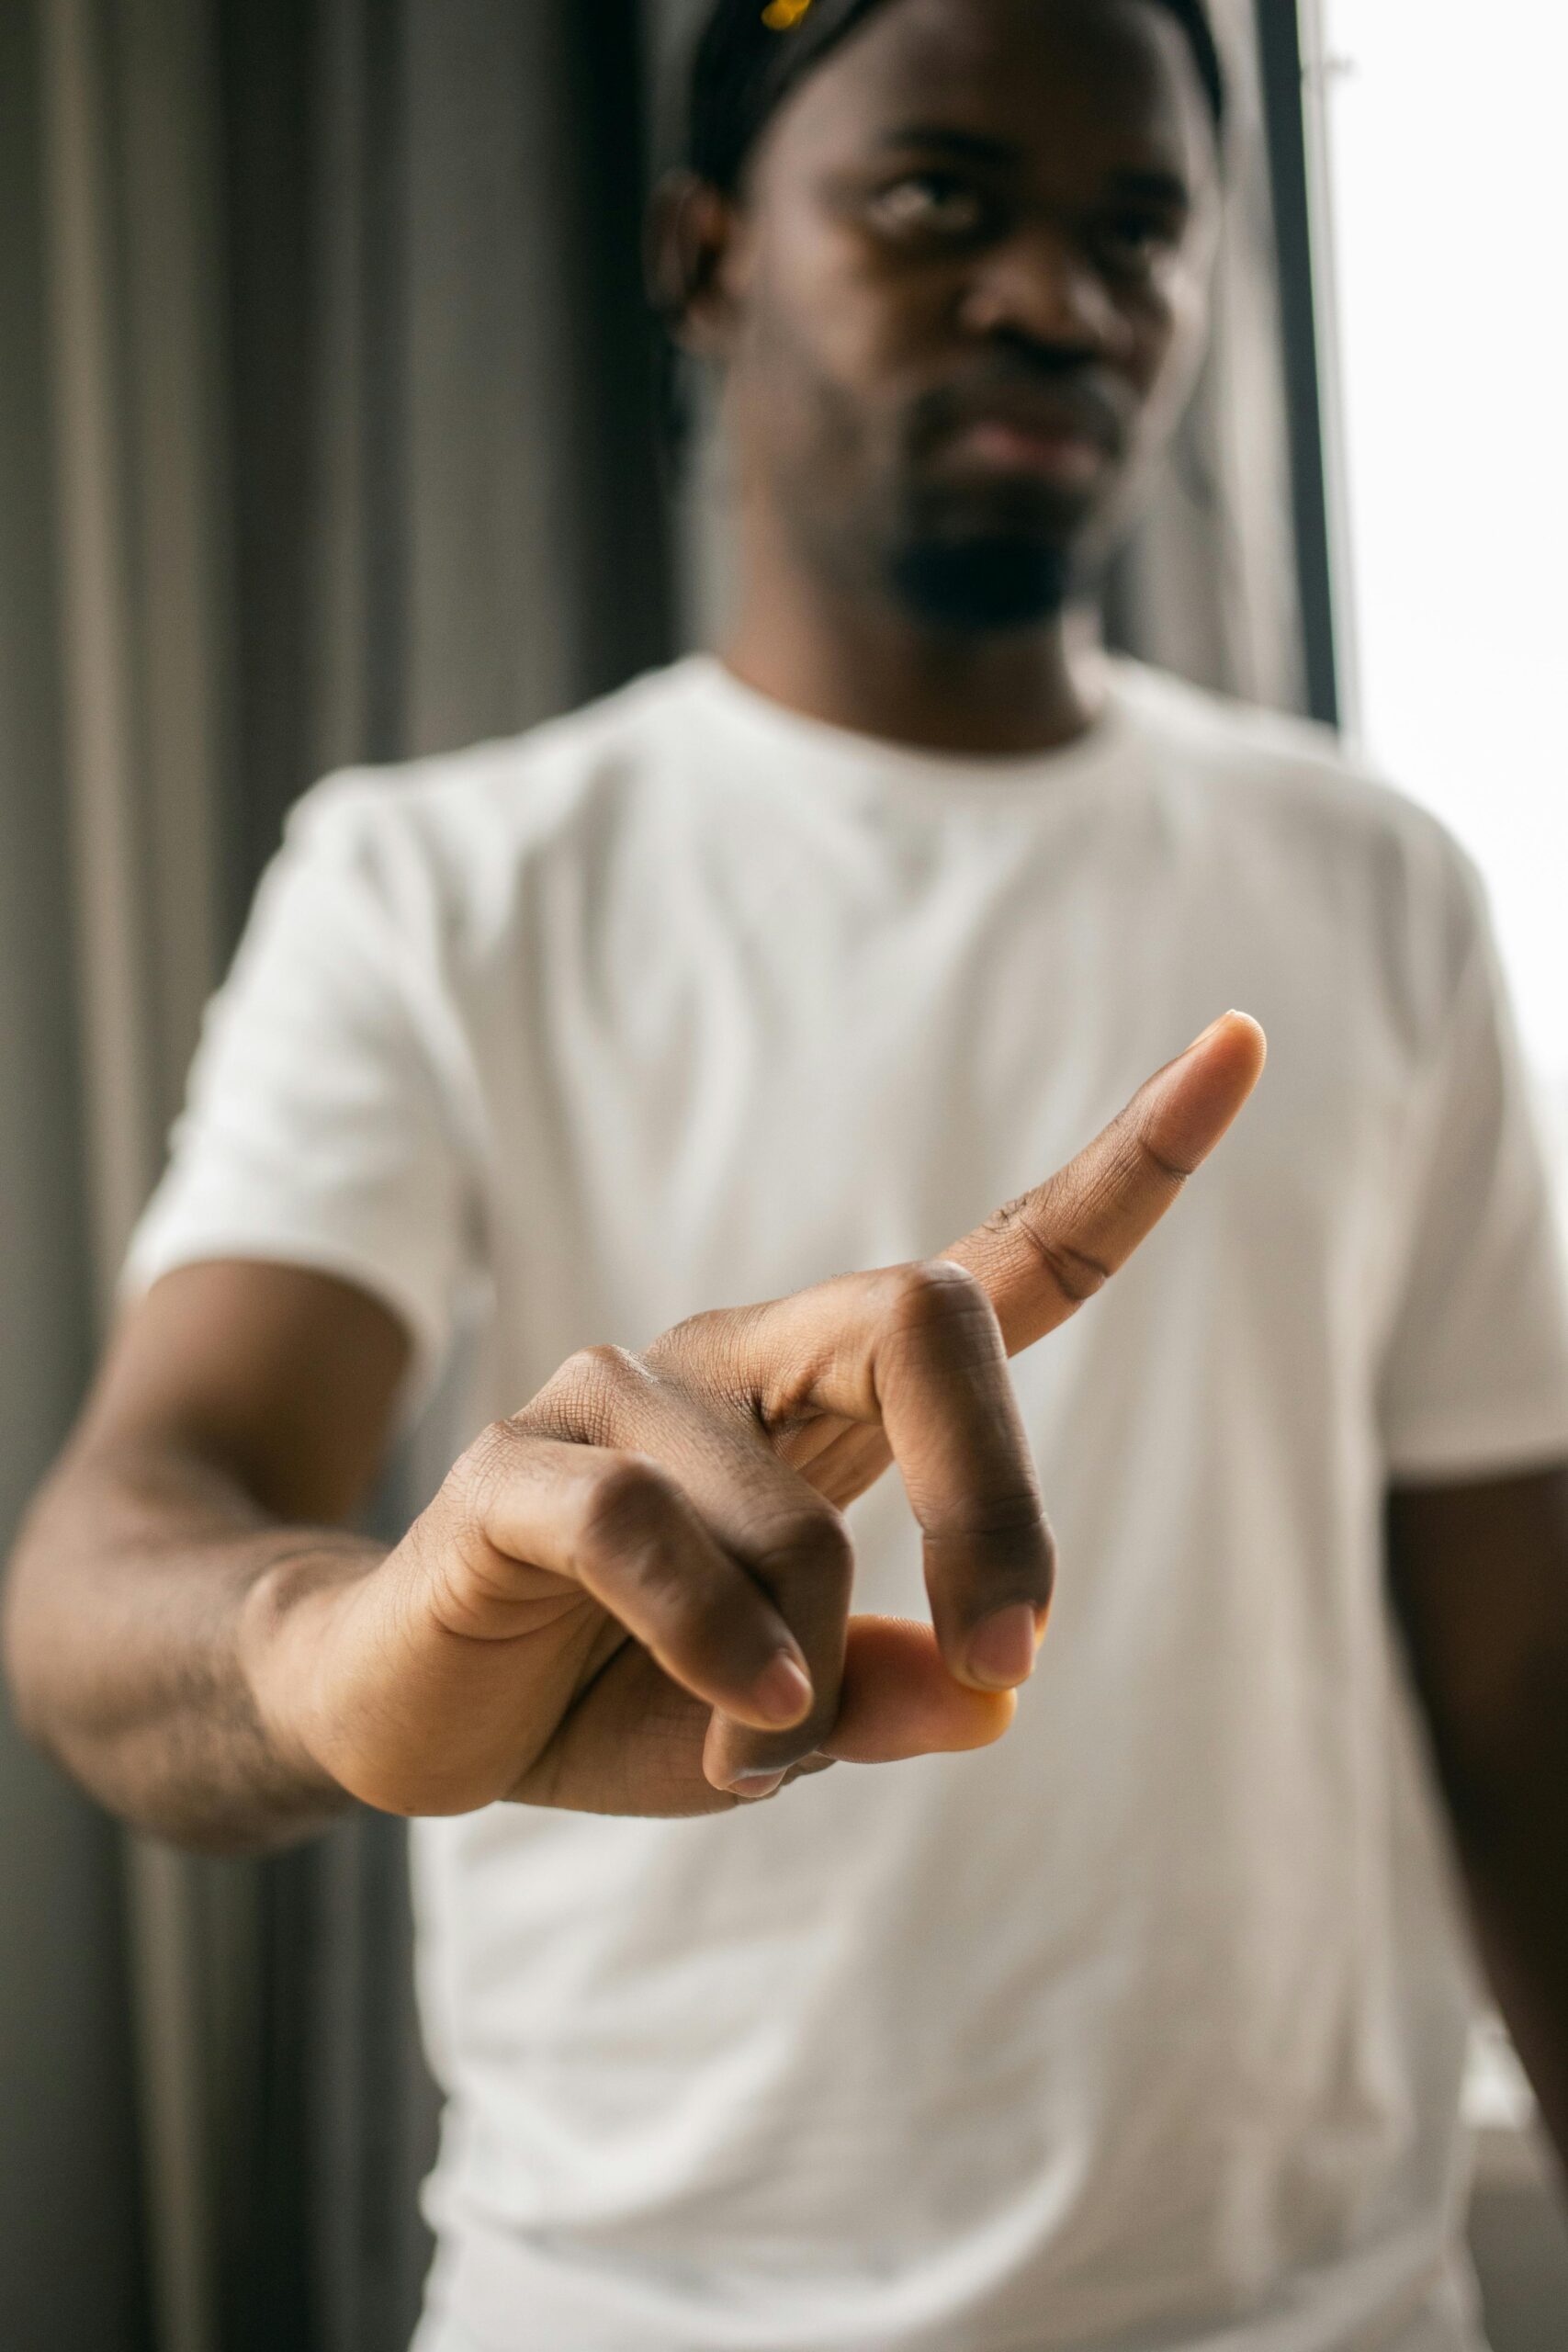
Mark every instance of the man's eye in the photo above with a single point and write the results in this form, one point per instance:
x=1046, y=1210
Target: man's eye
x=928, y=204
x=1135, y=240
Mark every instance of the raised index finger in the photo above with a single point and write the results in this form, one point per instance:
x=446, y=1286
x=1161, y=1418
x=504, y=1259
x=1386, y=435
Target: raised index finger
x=1045, y=1254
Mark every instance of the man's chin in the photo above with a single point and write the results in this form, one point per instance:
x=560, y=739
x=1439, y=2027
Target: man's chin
x=975, y=585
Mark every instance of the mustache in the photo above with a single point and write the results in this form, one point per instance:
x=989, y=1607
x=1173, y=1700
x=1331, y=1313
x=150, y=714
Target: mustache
x=1039, y=391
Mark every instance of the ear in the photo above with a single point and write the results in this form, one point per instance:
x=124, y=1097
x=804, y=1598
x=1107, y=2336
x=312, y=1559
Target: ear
x=688, y=240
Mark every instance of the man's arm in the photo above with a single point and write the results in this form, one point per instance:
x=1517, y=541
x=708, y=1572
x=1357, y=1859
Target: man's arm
x=238, y=1421
x=1480, y=1586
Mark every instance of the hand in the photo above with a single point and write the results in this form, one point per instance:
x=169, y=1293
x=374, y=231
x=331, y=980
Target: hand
x=633, y=1596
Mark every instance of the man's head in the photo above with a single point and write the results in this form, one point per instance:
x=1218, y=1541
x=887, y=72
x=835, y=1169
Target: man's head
x=953, y=256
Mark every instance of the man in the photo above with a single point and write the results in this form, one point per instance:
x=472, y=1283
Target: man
x=1142, y=2024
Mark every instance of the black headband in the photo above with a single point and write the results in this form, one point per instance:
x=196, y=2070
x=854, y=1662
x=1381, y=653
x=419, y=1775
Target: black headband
x=750, y=56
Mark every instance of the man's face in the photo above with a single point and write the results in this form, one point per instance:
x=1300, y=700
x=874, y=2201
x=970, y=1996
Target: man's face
x=965, y=298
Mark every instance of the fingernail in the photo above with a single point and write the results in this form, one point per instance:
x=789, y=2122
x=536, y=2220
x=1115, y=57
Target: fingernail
x=752, y=1785
x=782, y=1690
x=1203, y=1036
x=1001, y=1649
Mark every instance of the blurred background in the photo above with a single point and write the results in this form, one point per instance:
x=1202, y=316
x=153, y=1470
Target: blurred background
x=329, y=432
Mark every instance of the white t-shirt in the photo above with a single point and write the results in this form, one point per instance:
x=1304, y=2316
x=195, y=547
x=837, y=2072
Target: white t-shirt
x=1144, y=2028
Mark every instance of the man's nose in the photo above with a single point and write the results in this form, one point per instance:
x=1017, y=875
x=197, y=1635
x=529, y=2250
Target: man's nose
x=1037, y=284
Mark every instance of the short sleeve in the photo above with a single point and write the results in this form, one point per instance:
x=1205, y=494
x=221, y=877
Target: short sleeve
x=318, y=1130
x=1475, y=1379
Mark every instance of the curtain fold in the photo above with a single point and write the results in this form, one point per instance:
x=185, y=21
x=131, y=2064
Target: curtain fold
x=71, y=2265
x=354, y=423
x=127, y=141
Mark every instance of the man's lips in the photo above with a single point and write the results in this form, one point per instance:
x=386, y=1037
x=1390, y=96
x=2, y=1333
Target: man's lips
x=1066, y=438
x=1062, y=454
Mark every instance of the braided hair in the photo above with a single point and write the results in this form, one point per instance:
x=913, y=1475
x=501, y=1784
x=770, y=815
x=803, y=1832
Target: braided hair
x=748, y=58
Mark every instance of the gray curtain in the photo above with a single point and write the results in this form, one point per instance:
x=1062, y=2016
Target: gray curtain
x=326, y=434
x=71, y=2267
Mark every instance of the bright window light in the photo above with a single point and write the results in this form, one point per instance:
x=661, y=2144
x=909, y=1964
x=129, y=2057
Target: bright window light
x=1442, y=135
x=1441, y=306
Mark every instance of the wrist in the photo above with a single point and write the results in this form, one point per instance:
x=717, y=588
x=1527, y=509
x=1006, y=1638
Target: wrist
x=288, y=1624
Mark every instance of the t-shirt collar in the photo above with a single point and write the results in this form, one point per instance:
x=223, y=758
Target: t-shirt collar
x=829, y=758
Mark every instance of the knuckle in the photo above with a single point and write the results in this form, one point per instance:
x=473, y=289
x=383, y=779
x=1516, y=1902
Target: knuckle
x=1002, y=1221
x=626, y=1498
x=474, y=1480
x=1017, y=1512
x=809, y=1543
x=631, y=1531
x=705, y=1355
x=1153, y=1161
x=583, y=1399
x=602, y=1366
x=1075, y=1273
x=694, y=1333
x=932, y=1291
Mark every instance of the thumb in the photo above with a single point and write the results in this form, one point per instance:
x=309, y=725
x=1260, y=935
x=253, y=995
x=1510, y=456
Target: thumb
x=898, y=1700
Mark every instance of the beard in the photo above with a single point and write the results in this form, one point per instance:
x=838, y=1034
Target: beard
x=976, y=558
x=956, y=554
x=979, y=583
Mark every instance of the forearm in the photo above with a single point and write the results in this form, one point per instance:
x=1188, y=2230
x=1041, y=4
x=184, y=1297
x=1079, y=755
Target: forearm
x=139, y=1588
x=1479, y=1583
x=1513, y=1838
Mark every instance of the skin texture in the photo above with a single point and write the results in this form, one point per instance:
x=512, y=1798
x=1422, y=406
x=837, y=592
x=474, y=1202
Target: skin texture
x=983, y=215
